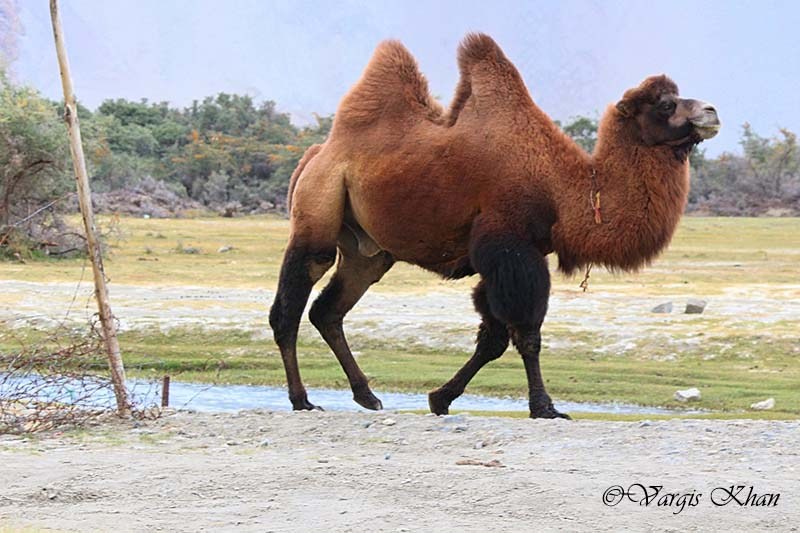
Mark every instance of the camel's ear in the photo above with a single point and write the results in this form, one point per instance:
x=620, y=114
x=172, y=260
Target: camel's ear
x=626, y=107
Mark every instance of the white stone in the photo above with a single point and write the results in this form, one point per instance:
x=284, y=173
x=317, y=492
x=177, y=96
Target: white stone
x=769, y=403
x=686, y=395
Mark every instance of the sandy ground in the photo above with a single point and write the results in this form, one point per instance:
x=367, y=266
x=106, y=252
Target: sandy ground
x=262, y=471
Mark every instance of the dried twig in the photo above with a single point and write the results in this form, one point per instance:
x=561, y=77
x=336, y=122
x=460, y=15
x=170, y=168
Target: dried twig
x=57, y=382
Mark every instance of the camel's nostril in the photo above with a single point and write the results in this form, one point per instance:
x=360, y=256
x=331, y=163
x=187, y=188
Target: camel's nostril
x=710, y=108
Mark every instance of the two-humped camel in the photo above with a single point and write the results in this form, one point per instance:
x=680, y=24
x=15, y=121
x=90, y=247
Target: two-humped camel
x=489, y=186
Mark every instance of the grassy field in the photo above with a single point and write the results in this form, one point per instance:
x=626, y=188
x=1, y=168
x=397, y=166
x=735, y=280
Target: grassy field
x=737, y=363
x=709, y=254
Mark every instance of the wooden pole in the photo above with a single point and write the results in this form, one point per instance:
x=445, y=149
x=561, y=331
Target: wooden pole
x=85, y=202
x=165, y=392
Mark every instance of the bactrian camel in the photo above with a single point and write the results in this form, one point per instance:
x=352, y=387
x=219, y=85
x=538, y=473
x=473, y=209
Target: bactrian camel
x=490, y=186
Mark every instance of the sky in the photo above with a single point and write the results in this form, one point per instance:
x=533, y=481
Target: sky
x=576, y=56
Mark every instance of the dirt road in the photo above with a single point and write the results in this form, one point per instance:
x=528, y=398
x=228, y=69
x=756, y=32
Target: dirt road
x=262, y=471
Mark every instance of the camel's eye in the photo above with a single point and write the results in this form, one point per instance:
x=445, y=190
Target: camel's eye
x=667, y=106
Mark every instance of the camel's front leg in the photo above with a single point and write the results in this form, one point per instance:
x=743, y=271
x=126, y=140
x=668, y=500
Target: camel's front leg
x=528, y=341
x=517, y=284
x=491, y=344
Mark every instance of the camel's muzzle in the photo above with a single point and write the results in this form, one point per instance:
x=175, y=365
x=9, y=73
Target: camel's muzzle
x=706, y=122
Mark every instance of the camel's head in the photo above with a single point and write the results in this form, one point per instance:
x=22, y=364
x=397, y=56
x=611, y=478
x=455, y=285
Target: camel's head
x=662, y=118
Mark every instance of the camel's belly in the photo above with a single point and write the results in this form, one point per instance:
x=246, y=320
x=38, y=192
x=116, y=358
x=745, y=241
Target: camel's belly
x=417, y=201
x=421, y=242
x=412, y=225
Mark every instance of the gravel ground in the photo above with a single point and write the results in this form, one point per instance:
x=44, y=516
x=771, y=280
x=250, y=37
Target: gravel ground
x=438, y=319
x=336, y=471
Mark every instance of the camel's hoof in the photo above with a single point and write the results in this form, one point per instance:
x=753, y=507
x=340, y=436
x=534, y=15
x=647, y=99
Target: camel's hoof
x=438, y=403
x=548, y=411
x=303, y=404
x=367, y=400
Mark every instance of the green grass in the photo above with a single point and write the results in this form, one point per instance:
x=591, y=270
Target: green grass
x=706, y=256
x=729, y=383
x=733, y=368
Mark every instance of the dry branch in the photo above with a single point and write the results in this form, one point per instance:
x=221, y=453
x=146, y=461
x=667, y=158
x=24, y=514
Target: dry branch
x=56, y=382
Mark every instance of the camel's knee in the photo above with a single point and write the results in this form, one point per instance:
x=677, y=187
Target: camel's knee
x=284, y=319
x=492, y=341
x=354, y=276
x=528, y=342
x=277, y=321
x=493, y=337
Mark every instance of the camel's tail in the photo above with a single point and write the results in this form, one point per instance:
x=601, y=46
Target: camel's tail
x=307, y=156
x=390, y=87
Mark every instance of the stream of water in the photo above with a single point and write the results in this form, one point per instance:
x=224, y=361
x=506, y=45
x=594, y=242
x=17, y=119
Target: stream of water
x=231, y=398
x=235, y=397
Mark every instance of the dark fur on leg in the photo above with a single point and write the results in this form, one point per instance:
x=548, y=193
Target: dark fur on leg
x=528, y=342
x=300, y=270
x=518, y=289
x=516, y=278
x=492, y=342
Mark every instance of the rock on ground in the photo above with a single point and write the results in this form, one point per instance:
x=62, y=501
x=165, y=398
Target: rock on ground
x=686, y=395
x=767, y=404
x=666, y=307
x=695, y=307
x=150, y=198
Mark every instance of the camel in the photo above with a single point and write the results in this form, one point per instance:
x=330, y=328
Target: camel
x=489, y=186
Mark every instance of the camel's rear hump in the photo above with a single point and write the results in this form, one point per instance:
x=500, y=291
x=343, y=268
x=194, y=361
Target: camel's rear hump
x=487, y=76
x=391, y=88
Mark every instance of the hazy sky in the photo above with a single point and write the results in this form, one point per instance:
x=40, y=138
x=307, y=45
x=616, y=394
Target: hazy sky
x=576, y=56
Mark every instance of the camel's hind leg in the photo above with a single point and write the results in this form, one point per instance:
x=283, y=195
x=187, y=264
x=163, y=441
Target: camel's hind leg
x=302, y=267
x=316, y=219
x=354, y=274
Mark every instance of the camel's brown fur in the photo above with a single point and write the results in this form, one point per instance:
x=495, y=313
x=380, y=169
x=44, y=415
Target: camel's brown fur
x=307, y=156
x=490, y=185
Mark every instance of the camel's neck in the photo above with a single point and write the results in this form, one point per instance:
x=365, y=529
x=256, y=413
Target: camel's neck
x=643, y=193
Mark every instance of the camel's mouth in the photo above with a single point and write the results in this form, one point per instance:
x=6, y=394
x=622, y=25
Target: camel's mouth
x=707, y=131
x=707, y=123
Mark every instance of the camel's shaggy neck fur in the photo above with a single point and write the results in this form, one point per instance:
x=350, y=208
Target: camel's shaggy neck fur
x=643, y=192
x=643, y=189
